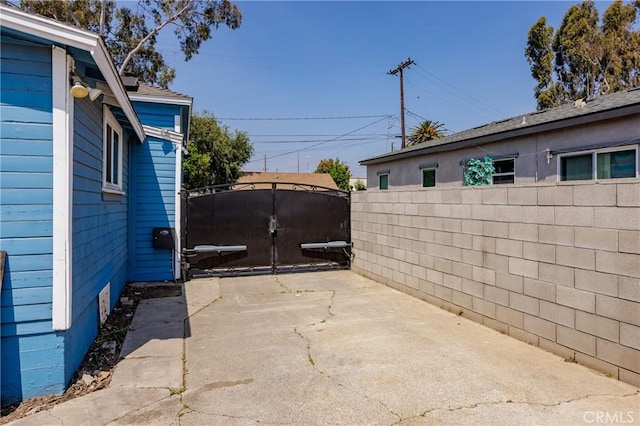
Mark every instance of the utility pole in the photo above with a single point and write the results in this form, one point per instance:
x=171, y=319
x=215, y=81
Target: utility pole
x=399, y=69
x=298, y=162
x=265, y=163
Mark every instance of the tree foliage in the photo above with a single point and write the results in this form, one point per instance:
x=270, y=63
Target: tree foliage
x=131, y=34
x=585, y=57
x=338, y=170
x=425, y=131
x=479, y=171
x=216, y=155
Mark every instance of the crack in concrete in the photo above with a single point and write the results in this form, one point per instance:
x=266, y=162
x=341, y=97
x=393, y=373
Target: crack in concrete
x=50, y=412
x=130, y=413
x=540, y=404
x=228, y=416
x=323, y=373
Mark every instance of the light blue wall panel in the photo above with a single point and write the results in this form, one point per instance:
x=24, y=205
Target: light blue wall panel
x=154, y=207
x=100, y=232
x=30, y=360
x=156, y=114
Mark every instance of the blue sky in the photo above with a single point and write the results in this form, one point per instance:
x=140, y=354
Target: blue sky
x=330, y=59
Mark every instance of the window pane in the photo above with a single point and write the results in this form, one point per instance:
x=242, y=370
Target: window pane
x=428, y=178
x=577, y=167
x=109, y=165
x=503, y=179
x=614, y=165
x=116, y=157
x=384, y=181
x=504, y=166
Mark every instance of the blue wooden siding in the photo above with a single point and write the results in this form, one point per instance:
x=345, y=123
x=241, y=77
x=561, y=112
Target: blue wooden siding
x=156, y=114
x=32, y=355
x=153, y=186
x=100, y=240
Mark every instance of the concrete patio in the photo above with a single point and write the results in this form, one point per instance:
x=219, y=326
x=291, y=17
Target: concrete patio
x=333, y=348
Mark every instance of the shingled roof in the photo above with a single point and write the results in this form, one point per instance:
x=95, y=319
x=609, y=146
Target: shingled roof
x=603, y=107
x=136, y=88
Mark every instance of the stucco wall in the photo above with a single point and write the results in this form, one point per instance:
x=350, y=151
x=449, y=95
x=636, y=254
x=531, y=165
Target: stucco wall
x=530, y=166
x=555, y=265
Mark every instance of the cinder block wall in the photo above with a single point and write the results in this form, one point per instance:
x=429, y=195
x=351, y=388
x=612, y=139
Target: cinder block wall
x=557, y=266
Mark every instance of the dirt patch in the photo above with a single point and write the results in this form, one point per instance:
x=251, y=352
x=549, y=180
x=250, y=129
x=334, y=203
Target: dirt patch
x=96, y=369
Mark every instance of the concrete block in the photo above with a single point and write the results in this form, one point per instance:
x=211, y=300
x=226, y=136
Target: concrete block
x=471, y=195
x=462, y=270
x=471, y=316
x=578, y=299
x=540, y=327
x=598, y=326
x=461, y=211
x=443, y=293
x=434, y=223
x=434, y=197
x=617, y=218
x=629, y=377
x=473, y=288
x=442, y=265
x=494, y=196
x=509, y=213
x=597, y=282
x=483, y=275
x=412, y=282
x=594, y=195
x=599, y=239
x=496, y=295
x=577, y=340
x=473, y=227
x=483, y=212
x=630, y=335
x=507, y=247
x=509, y=316
x=576, y=257
x=540, y=289
x=452, y=196
x=558, y=235
x=509, y=282
x=426, y=209
x=418, y=197
x=462, y=240
x=461, y=299
x=575, y=216
x=555, y=196
x=618, y=263
x=427, y=235
x=618, y=309
x=484, y=307
x=522, y=196
x=453, y=282
x=629, y=288
x=442, y=210
x=496, y=325
x=628, y=195
x=427, y=287
x=618, y=355
x=411, y=209
x=435, y=276
x=412, y=257
x=427, y=260
x=496, y=262
x=561, y=275
x=524, y=336
x=495, y=229
x=452, y=225
x=539, y=252
x=523, y=232
x=537, y=214
x=597, y=364
x=484, y=244
x=523, y=303
x=558, y=349
x=629, y=241
x=451, y=253
x=420, y=272
x=472, y=257
x=557, y=314
x=526, y=268
x=398, y=277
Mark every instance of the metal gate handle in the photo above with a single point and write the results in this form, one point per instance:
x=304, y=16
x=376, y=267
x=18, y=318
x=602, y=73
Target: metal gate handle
x=273, y=226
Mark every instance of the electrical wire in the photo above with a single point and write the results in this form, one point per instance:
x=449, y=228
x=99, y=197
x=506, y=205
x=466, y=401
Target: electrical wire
x=348, y=117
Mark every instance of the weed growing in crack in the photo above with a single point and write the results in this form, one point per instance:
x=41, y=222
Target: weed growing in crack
x=177, y=391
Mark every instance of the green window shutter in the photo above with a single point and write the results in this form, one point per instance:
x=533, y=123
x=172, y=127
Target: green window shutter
x=428, y=178
x=383, y=181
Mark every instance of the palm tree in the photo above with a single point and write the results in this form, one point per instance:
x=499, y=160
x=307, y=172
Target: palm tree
x=426, y=131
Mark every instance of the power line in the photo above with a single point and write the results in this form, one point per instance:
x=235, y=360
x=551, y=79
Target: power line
x=399, y=70
x=349, y=117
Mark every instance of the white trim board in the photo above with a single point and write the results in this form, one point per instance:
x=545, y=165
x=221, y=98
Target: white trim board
x=169, y=135
x=63, y=104
x=60, y=33
x=160, y=99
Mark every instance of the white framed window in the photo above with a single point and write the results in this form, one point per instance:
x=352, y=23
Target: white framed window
x=505, y=171
x=111, y=153
x=606, y=163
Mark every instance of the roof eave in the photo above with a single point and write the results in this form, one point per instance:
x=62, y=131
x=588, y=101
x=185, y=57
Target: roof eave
x=78, y=38
x=494, y=137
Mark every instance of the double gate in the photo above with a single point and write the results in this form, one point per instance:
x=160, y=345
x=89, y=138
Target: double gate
x=265, y=228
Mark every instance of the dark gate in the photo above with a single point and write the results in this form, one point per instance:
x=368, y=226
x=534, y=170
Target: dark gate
x=265, y=228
